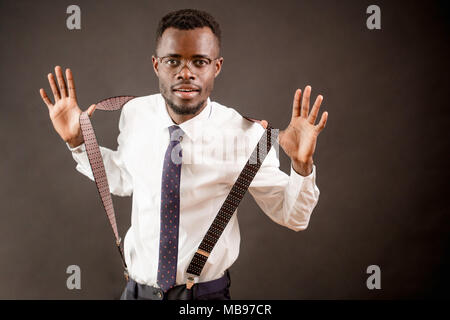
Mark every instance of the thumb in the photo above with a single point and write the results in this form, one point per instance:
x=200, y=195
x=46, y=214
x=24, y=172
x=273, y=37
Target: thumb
x=264, y=123
x=91, y=109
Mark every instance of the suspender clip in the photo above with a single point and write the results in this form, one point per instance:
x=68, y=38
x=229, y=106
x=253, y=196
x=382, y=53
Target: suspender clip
x=190, y=282
x=203, y=253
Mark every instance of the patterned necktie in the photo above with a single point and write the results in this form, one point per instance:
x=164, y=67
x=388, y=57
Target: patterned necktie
x=170, y=211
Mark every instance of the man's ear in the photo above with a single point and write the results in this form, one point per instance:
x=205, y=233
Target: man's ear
x=218, y=66
x=155, y=63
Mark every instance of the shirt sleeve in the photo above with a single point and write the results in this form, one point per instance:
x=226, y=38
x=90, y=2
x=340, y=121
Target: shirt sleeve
x=119, y=179
x=287, y=200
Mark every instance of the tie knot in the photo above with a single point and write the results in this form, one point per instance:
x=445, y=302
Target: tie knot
x=176, y=133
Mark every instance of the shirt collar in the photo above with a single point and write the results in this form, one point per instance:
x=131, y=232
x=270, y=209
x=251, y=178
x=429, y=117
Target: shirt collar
x=193, y=127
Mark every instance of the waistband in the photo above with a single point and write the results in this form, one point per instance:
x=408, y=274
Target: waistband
x=178, y=292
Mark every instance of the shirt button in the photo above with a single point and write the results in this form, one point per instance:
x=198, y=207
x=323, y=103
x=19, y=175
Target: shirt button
x=158, y=294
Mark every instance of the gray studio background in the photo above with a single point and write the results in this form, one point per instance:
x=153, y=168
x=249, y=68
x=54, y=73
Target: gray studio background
x=381, y=160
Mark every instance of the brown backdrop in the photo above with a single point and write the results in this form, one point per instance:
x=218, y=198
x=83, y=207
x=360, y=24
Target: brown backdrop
x=381, y=161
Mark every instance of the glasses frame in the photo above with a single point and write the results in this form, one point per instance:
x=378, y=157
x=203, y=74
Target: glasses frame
x=185, y=64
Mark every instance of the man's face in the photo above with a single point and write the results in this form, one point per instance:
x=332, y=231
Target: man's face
x=186, y=91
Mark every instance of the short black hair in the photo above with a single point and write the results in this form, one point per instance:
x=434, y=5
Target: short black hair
x=188, y=19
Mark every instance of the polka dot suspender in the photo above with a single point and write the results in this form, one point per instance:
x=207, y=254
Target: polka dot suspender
x=98, y=169
x=232, y=201
x=225, y=213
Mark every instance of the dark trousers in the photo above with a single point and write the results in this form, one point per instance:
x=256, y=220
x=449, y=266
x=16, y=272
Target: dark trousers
x=218, y=289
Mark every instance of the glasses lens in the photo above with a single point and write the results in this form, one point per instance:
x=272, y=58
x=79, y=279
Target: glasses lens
x=196, y=65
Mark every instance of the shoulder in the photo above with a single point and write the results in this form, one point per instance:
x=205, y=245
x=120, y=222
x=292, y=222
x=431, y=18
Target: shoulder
x=148, y=102
x=142, y=107
x=228, y=117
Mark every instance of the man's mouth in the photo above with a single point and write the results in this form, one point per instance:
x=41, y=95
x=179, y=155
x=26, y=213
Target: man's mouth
x=186, y=92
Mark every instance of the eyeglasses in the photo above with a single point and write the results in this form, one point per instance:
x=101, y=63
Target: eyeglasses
x=174, y=65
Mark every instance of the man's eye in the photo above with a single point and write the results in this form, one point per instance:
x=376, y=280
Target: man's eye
x=201, y=62
x=172, y=62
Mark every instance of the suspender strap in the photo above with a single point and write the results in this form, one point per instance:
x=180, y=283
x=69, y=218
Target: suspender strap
x=232, y=201
x=225, y=213
x=98, y=169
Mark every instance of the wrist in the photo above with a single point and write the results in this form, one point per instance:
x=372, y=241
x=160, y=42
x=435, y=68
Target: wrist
x=303, y=167
x=75, y=142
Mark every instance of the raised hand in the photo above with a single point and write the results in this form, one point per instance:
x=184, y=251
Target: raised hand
x=65, y=112
x=299, y=139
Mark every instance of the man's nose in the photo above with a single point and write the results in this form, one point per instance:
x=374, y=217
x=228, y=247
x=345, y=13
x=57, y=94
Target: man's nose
x=185, y=73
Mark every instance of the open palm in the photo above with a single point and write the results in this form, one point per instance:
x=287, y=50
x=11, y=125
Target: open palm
x=65, y=112
x=299, y=139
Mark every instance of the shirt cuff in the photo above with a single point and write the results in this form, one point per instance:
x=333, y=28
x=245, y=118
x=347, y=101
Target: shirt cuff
x=298, y=182
x=78, y=149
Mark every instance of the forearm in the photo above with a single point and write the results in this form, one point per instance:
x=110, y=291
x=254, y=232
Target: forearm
x=119, y=179
x=287, y=199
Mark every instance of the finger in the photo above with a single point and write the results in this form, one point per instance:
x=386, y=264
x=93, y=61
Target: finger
x=315, y=109
x=296, y=103
x=71, y=84
x=61, y=82
x=305, y=102
x=91, y=109
x=264, y=123
x=45, y=98
x=323, y=121
x=53, y=86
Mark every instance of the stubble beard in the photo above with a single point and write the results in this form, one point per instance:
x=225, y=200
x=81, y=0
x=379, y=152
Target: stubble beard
x=180, y=110
x=183, y=110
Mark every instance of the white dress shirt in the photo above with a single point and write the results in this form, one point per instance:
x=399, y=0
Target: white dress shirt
x=216, y=145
